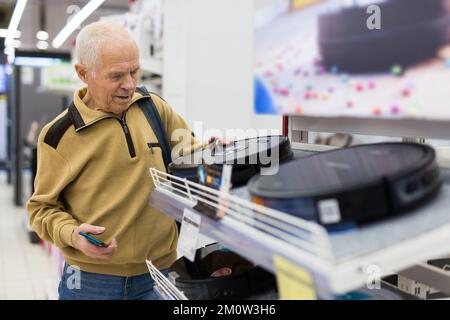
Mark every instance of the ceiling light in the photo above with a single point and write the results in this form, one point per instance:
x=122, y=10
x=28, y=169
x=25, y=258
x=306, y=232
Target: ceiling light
x=15, y=20
x=9, y=51
x=42, y=35
x=42, y=45
x=16, y=43
x=4, y=33
x=85, y=12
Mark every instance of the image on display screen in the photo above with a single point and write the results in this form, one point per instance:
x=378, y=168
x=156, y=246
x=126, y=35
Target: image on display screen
x=369, y=59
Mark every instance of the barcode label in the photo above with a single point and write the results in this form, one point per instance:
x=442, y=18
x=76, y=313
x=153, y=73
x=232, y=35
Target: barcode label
x=329, y=211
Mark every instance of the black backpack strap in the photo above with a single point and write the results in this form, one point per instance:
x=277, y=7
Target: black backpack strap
x=154, y=119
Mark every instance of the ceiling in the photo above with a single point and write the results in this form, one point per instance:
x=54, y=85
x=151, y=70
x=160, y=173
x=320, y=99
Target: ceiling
x=116, y=3
x=56, y=15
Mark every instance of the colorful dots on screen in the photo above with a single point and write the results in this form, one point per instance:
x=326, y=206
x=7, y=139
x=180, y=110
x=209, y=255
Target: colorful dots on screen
x=334, y=69
x=345, y=77
x=397, y=70
x=406, y=92
x=376, y=111
x=395, y=109
x=282, y=92
x=350, y=104
x=359, y=87
x=320, y=70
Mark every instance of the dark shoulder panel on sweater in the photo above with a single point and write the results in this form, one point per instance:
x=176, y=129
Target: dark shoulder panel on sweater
x=57, y=130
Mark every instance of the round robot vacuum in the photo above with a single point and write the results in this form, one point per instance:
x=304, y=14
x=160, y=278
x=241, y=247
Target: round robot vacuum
x=353, y=186
x=218, y=274
x=411, y=32
x=247, y=157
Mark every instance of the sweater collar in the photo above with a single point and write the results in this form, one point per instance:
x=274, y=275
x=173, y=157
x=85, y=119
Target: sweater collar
x=83, y=116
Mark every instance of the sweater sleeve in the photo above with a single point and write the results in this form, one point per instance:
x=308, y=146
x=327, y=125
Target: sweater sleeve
x=47, y=214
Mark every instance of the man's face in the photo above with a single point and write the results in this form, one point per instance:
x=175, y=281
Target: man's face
x=112, y=82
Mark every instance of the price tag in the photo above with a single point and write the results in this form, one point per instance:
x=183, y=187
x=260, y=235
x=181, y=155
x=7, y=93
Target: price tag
x=190, y=229
x=225, y=186
x=225, y=182
x=294, y=282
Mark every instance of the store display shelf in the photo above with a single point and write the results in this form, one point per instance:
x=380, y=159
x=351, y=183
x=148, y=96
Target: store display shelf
x=164, y=289
x=337, y=262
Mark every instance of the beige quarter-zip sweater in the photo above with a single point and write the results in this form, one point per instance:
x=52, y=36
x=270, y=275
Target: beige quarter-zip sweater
x=93, y=167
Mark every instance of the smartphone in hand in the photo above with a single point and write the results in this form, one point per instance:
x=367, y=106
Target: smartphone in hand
x=93, y=240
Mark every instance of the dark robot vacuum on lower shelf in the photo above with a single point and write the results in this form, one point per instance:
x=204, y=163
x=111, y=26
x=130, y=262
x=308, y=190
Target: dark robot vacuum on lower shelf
x=218, y=274
x=353, y=186
x=247, y=156
x=411, y=32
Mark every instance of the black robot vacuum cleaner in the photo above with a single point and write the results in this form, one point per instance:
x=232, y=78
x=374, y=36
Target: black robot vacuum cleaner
x=411, y=31
x=219, y=274
x=247, y=157
x=351, y=187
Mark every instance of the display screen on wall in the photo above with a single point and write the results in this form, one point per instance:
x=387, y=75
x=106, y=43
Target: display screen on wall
x=371, y=59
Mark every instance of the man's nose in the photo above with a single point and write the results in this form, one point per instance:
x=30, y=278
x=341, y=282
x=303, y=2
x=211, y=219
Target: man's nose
x=129, y=83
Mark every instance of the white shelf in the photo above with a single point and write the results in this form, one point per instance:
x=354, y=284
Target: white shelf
x=165, y=289
x=337, y=262
x=152, y=66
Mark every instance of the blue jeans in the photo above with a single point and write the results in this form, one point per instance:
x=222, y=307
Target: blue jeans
x=80, y=285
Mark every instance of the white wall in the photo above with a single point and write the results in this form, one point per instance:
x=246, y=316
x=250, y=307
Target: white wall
x=208, y=63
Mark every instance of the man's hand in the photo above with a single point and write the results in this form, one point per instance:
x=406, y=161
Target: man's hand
x=219, y=140
x=89, y=249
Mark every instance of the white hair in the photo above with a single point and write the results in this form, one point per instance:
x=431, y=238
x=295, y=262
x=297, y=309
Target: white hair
x=92, y=37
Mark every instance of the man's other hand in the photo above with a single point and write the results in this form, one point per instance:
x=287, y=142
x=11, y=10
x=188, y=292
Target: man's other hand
x=219, y=140
x=89, y=249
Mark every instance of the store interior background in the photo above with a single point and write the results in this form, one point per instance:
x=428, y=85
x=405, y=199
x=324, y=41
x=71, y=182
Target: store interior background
x=202, y=65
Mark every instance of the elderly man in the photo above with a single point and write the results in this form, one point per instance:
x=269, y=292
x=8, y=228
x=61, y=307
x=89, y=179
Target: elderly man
x=93, y=176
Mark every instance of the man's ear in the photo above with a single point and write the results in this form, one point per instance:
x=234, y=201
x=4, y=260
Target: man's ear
x=81, y=71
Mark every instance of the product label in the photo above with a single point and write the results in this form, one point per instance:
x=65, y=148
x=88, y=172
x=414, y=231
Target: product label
x=329, y=211
x=190, y=229
x=294, y=282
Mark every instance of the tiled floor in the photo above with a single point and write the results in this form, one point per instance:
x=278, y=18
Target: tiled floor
x=26, y=269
